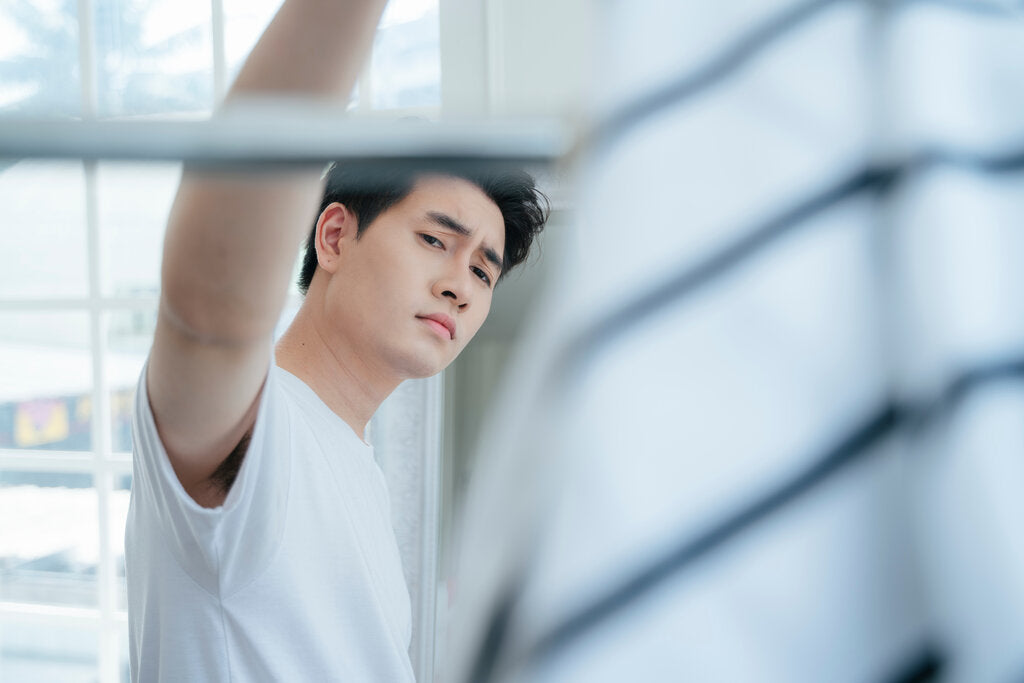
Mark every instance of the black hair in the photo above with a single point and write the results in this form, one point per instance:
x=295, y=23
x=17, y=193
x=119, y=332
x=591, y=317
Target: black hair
x=367, y=194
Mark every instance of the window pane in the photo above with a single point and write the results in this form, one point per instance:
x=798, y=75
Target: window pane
x=134, y=201
x=406, y=67
x=43, y=235
x=49, y=541
x=129, y=336
x=31, y=650
x=39, y=74
x=153, y=57
x=45, y=396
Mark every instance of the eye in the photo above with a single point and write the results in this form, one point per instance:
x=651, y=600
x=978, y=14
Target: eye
x=482, y=275
x=431, y=240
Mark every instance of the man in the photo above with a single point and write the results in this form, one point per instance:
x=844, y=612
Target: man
x=259, y=545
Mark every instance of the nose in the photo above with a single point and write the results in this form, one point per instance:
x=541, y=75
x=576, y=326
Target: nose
x=454, y=287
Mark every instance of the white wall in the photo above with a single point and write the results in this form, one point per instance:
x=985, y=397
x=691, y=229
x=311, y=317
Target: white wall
x=515, y=57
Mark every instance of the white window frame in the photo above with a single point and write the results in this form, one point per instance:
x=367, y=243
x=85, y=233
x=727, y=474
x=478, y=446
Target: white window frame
x=107, y=619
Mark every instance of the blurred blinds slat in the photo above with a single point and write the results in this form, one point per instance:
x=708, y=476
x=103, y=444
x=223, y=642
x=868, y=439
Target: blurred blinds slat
x=772, y=412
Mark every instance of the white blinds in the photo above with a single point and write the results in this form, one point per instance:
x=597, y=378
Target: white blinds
x=771, y=426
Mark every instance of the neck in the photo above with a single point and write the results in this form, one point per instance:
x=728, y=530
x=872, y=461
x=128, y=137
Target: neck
x=332, y=369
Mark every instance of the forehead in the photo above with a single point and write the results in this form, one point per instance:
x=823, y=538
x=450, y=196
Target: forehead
x=461, y=200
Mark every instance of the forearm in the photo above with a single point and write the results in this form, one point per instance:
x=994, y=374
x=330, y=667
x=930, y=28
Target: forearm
x=312, y=48
x=231, y=241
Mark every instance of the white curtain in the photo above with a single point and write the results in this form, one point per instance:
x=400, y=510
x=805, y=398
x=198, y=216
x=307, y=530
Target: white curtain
x=406, y=435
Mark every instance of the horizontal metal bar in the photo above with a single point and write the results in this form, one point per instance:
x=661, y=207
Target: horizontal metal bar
x=289, y=132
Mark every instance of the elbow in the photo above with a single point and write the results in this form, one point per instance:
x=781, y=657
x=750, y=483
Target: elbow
x=211, y=318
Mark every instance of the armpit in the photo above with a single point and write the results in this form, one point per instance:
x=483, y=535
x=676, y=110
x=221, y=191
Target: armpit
x=226, y=473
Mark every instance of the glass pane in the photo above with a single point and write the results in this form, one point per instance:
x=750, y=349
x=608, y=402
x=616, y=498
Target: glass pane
x=46, y=393
x=39, y=74
x=153, y=57
x=119, y=499
x=129, y=336
x=134, y=201
x=32, y=650
x=49, y=541
x=43, y=235
x=406, y=68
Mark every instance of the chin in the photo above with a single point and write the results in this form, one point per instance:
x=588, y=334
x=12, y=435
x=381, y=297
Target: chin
x=424, y=374
x=419, y=367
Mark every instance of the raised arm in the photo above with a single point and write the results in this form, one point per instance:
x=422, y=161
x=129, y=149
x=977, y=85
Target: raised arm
x=230, y=246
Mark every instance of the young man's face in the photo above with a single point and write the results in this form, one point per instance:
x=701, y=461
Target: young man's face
x=412, y=291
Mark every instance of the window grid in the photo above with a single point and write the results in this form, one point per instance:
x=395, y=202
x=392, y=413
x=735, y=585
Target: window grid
x=75, y=462
x=102, y=480
x=107, y=619
x=103, y=463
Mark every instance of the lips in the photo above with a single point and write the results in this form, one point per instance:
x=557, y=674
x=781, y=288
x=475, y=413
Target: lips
x=441, y=323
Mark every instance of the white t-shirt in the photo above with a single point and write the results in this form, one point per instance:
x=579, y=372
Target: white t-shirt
x=296, y=577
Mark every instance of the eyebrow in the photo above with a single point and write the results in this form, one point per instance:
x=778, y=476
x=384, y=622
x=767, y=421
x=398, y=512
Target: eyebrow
x=446, y=221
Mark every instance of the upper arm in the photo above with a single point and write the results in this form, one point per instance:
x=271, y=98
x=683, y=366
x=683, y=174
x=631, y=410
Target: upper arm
x=228, y=256
x=230, y=248
x=204, y=400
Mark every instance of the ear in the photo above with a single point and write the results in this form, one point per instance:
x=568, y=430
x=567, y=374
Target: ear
x=334, y=227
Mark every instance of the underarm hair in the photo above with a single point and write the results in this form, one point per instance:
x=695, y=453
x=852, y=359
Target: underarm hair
x=224, y=476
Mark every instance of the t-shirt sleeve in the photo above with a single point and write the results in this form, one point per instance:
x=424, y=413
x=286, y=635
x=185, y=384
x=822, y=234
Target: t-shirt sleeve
x=221, y=548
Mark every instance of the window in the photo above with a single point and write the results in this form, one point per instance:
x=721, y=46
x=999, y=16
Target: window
x=79, y=264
